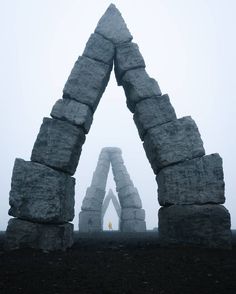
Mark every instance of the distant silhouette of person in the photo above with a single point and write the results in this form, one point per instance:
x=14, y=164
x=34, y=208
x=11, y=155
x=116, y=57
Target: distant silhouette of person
x=110, y=226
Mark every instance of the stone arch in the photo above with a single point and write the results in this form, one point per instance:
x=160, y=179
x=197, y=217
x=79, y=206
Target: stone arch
x=190, y=184
x=132, y=214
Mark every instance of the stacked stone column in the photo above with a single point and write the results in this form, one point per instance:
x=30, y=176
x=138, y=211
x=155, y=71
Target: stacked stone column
x=132, y=214
x=90, y=217
x=190, y=184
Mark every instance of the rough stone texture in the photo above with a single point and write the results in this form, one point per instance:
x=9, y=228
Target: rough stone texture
x=112, y=26
x=122, y=179
x=133, y=226
x=90, y=221
x=138, y=86
x=132, y=201
x=76, y=113
x=93, y=199
x=24, y=234
x=198, y=225
x=127, y=57
x=153, y=112
x=100, y=49
x=111, y=197
x=132, y=213
x=173, y=142
x=58, y=145
x=196, y=181
x=87, y=81
x=41, y=194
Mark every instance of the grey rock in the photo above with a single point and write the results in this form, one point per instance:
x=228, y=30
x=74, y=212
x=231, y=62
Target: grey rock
x=58, y=145
x=173, y=142
x=76, y=113
x=41, y=194
x=112, y=26
x=138, y=86
x=133, y=226
x=122, y=180
x=131, y=201
x=87, y=81
x=90, y=221
x=24, y=234
x=100, y=49
x=127, y=57
x=126, y=191
x=197, y=225
x=196, y=181
x=153, y=112
x=133, y=213
x=93, y=199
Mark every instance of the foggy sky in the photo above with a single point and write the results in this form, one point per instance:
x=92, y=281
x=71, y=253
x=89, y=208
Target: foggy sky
x=189, y=48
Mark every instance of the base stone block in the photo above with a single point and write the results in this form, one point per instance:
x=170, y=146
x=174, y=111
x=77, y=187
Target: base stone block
x=196, y=181
x=195, y=225
x=153, y=112
x=133, y=226
x=173, y=142
x=24, y=234
x=58, y=145
x=90, y=221
x=41, y=194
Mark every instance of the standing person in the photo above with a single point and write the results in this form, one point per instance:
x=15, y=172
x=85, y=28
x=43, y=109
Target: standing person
x=110, y=226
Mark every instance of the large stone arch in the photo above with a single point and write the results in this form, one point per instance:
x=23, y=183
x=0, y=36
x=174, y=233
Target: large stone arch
x=190, y=184
x=132, y=214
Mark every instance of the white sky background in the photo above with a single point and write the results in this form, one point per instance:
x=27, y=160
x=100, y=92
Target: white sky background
x=189, y=47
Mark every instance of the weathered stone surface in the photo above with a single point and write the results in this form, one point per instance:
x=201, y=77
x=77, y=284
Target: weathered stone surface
x=112, y=26
x=93, y=199
x=173, y=142
x=87, y=81
x=122, y=179
x=99, y=179
x=127, y=57
x=138, y=86
x=132, y=213
x=76, y=113
x=58, y=145
x=132, y=201
x=133, y=226
x=41, y=194
x=90, y=221
x=100, y=49
x=153, y=112
x=196, y=181
x=197, y=225
x=24, y=234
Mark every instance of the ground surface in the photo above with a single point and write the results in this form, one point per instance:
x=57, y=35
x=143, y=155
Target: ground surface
x=111, y=263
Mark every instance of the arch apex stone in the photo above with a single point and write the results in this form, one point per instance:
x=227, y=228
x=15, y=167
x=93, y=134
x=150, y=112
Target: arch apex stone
x=113, y=27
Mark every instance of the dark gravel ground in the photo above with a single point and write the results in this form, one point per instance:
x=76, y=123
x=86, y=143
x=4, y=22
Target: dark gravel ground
x=114, y=263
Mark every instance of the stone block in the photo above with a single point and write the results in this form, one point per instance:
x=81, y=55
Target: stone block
x=87, y=81
x=196, y=181
x=195, y=225
x=173, y=142
x=112, y=26
x=100, y=49
x=131, y=201
x=41, y=194
x=133, y=213
x=58, y=145
x=99, y=179
x=138, y=86
x=122, y=179
x=25, y=234
x=76, y=113
x=90, y=221
x=152, y=112
x=93, y=199
x=127, y=57
x=133, y=226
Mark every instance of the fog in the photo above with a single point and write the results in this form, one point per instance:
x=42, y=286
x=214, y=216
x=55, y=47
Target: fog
x=189, y=48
